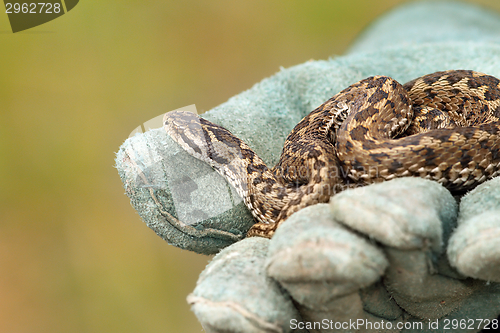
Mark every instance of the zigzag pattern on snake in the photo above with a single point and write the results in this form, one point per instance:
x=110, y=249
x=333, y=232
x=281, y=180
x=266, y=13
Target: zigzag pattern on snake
x=443, y=126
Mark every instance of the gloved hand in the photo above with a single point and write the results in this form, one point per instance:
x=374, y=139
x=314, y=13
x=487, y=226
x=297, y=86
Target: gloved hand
x=401, y=256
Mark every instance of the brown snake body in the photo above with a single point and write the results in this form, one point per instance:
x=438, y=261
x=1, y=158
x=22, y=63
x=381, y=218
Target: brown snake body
x=443, y=126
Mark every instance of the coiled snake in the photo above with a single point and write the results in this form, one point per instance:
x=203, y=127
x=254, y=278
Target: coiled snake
x=443, y=126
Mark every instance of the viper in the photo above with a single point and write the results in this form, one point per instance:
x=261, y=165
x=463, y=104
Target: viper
x=444, y=126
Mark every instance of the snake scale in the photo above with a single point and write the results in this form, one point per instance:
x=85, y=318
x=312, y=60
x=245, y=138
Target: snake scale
x=443, y=126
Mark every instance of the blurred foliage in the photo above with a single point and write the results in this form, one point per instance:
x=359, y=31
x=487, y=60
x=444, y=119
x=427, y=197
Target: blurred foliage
x=74, y=256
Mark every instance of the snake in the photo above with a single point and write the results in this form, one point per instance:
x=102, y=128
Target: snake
x=443, y=126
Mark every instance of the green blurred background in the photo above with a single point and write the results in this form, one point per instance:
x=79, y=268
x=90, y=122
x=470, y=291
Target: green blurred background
x=74, y=255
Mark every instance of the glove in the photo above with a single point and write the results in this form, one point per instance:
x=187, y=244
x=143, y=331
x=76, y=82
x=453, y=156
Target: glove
x=400, y=256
